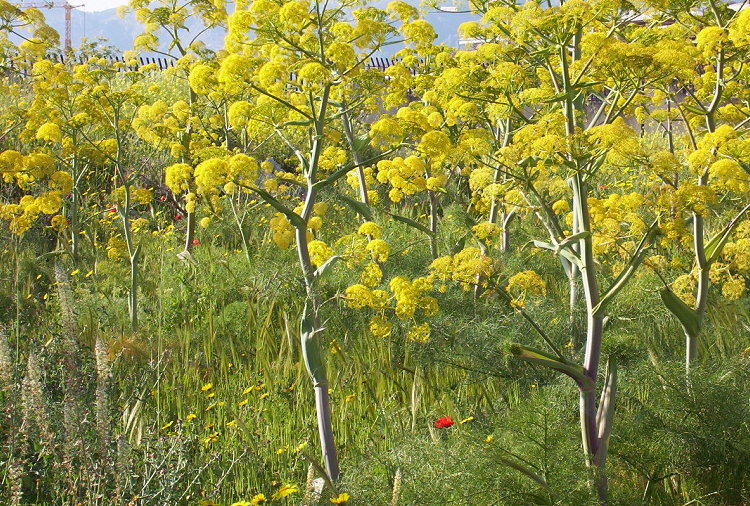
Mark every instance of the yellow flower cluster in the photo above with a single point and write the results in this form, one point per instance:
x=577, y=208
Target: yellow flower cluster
x=737, y=252
x=143, y=196
x=239, y=169
x=379, y=250
x=406, y=298
x=380, y=326
x=179, y=177
x=614, y=218
x=734, y=288
x=711, y=39
x=62, y=181
x=436, y=145
x=523, y=284
x=386, y=132
x=352, y=178
x=342, y=55
x=618, y=140
x=406, y=176
x=332, y=158
x=684, y=287
x=117, y=248
x=419, y=333
x=469, y=267
x=203, y=79
x=360, y=296
x=319, y=252
x=728, y=174
x=49, y=132
x=409, y=296
x=239, y=114
x=486, y=231
x=283, y=231
x=370, y=229
x=371, y=275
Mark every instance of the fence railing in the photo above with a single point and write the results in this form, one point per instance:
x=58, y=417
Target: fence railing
x=162, y=62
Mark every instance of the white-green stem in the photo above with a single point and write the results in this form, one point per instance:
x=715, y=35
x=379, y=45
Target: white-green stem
x=312, y=331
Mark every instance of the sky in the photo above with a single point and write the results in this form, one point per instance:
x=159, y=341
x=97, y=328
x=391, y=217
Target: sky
x=97, y=5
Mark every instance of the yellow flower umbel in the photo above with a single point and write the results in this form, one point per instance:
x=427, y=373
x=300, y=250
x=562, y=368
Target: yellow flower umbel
x=468, y=267
x=419, y=333
x=523, y=284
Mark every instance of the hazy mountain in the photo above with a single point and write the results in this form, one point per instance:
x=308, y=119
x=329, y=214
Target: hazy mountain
x=120, y=33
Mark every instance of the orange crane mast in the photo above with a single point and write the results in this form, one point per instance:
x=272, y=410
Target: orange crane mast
x=52, y=5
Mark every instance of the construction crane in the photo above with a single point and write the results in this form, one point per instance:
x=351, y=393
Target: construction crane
x=55, y=5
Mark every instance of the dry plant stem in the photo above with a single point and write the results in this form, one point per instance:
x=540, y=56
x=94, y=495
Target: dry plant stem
x=13, y=466
x=73, y=390
x=102, y=396
x=396, y=494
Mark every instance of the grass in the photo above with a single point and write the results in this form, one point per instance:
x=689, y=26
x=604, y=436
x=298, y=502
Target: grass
x=210, y=401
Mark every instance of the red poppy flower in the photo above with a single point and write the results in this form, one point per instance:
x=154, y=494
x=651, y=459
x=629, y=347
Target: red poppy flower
x=163, y=198
x=113, y=209
x=196, y=242
x=444, y=422
x=177, y=217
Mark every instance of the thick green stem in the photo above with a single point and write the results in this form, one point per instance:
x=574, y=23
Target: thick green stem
x=507, y=218
x=701, y=301
x=433, y=225
x=74, y=222
x=699, y=245
x=589, y=433
x=568, y=103
x=239, y=222
x=190, y=232
x=594, y=328
x=134, y=255
x=311, y=329
x=313, y=356
x=349, y=132
x=133, y=298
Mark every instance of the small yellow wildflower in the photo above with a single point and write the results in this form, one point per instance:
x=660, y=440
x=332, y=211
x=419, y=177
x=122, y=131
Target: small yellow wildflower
x=258, y=498
x=341, y=498
x=207, y=387
x=284, y=491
